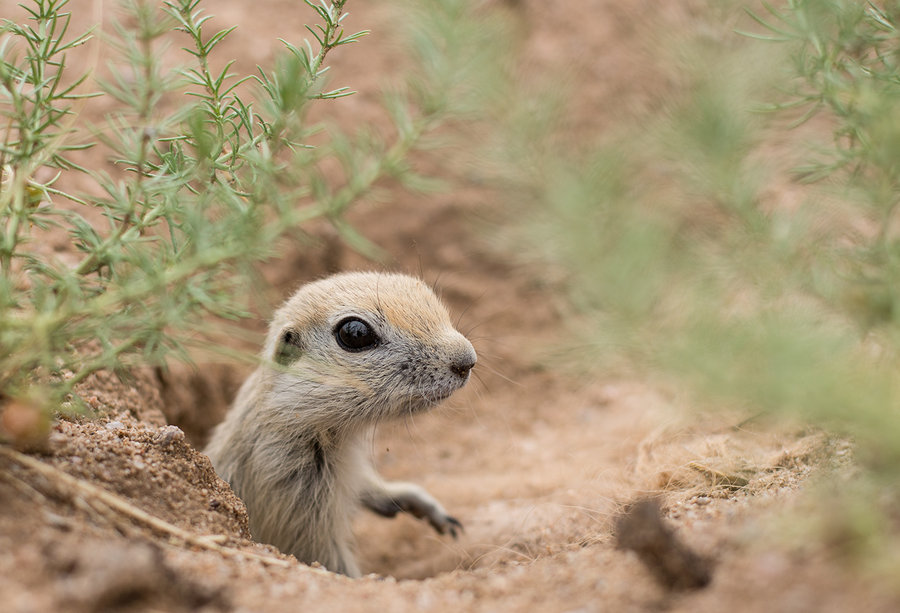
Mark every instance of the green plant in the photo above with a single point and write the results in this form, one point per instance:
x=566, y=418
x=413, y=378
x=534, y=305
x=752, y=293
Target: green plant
x=199, y=191
x=844, y=56
x=687, y=259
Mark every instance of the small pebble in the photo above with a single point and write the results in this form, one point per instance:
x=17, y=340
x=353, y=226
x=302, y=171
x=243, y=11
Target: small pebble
x=57, y=439
x=168, y=435
x=115, y=425
x=58, y=521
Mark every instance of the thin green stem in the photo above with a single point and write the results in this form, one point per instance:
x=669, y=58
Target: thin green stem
x=328, y=40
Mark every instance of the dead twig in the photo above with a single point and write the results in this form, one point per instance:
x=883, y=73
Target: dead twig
x=732, y=482
x=109, y=504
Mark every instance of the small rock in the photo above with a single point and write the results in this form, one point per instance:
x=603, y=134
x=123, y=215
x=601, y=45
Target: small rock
x=115, y=425
x=25, y=424
x=168, y=435
x=640, y=528
x=57, y=440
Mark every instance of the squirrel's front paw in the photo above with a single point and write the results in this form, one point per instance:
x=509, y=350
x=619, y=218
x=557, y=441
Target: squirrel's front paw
x=419, y=503
x=412, y=499
x=445, y=524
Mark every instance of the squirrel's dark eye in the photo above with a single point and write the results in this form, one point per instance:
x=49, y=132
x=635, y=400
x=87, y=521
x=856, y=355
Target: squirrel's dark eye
x=355, y=335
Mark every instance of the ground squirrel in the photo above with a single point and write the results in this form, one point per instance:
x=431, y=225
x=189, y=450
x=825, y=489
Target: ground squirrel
x=342, y=354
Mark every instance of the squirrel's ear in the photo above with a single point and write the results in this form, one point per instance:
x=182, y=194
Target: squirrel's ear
x=289, y=348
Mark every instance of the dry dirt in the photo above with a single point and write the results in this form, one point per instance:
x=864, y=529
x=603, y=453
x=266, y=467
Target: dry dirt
x=536, y=463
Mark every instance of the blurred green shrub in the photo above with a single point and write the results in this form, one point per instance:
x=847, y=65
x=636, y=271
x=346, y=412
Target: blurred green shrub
x=683, y=254
x=743, y=235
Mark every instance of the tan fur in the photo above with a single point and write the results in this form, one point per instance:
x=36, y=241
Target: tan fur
x=293, y=444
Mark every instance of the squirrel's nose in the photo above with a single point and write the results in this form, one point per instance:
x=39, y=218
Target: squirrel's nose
x=462, y=369
x=463, y=363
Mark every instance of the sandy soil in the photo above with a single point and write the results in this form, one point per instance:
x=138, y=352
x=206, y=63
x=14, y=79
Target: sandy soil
x=536, y=463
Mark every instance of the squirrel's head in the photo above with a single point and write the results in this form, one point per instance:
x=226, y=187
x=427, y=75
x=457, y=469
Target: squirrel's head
x=369, y=345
